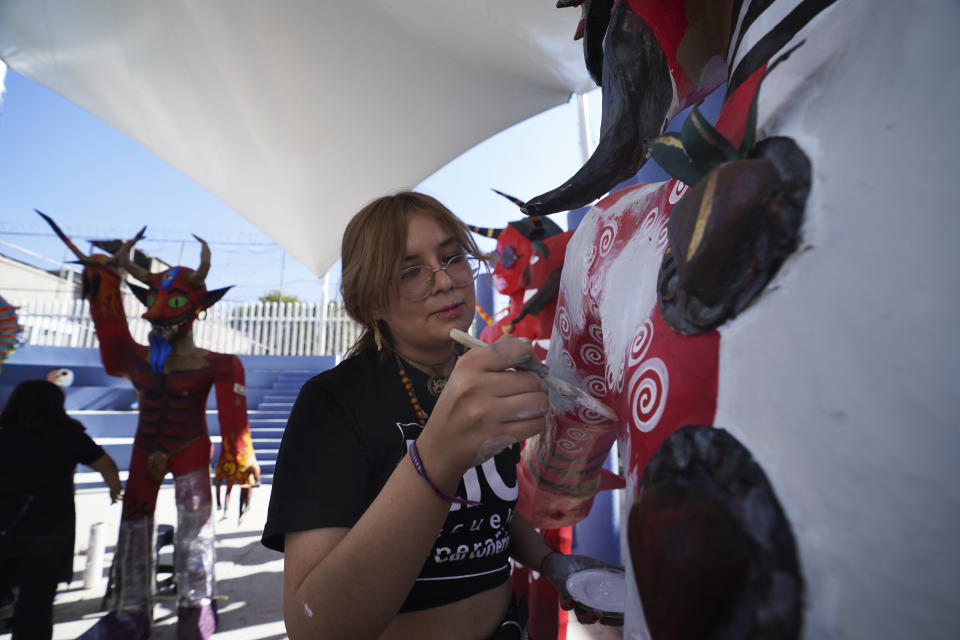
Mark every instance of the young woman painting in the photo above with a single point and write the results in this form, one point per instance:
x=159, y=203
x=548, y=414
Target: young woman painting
x=394, y=502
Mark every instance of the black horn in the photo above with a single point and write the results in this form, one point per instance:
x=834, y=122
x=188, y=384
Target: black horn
x=513, y=199
x=637, y=92
x=486, y=232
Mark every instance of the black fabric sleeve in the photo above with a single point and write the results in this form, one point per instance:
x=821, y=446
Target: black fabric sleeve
x=320, y=478
x=84, y=449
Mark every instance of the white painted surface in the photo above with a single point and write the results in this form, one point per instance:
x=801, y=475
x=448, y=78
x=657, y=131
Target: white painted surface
x=842, y=379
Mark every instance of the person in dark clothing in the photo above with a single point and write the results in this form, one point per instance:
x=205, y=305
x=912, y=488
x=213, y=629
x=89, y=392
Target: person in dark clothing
x=40, y=445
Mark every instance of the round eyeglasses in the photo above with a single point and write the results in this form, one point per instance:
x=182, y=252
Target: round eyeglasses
x=416, y=283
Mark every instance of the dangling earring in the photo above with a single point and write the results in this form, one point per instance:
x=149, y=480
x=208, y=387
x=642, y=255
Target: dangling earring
x=377, y=338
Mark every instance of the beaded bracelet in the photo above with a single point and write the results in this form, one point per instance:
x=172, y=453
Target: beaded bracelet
x=422, y=472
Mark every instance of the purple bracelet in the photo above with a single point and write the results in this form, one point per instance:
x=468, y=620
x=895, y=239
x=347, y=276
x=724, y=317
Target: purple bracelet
x=422, y=472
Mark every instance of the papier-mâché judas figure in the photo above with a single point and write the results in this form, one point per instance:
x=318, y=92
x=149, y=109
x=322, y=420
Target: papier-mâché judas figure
x=172, y=378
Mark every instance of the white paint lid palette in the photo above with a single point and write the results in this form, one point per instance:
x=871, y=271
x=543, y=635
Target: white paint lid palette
x=604, y=590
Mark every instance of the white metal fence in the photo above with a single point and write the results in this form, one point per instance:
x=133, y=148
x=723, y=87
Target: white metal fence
x=242, y=328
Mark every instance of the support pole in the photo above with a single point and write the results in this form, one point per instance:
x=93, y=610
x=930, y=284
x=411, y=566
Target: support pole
x=93, y=573
x=586, y=133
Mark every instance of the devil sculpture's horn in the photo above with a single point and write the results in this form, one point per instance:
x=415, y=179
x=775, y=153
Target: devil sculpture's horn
x=637, y=92
x=81, y=257
x=486, y=232
x=513, y=199
x=596, y=20
x=198, y=276
x=124, y=261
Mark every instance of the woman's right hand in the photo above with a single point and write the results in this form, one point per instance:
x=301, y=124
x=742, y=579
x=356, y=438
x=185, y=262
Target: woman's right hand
x=485, y=407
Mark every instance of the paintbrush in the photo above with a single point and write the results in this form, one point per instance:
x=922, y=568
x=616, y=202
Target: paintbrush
x=562, y=387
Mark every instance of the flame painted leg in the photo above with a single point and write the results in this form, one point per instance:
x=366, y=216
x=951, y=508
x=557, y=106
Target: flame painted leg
x=133, y=577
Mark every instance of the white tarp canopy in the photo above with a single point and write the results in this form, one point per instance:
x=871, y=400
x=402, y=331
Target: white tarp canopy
x=297, y=113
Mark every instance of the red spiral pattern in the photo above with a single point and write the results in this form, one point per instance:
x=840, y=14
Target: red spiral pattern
x=641, y=342
x=648, y=394
x=595, y=385
x=607, y=236
x=649, y=222
x=563, y=323
x=596, y=333
x=591, y=354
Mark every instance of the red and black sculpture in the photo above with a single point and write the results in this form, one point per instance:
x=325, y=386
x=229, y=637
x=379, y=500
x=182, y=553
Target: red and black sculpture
x=528, y=257
x=651, y=275
x=172, y=378
x=10, y=330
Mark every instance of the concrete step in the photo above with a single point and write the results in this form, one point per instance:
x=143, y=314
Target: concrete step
x=279, y=397
x=275, y=406
x=288, y=384
x=267, y=415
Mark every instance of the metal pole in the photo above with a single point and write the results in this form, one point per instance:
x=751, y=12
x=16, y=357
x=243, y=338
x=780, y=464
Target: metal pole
x=93, y=574
x=586, y=134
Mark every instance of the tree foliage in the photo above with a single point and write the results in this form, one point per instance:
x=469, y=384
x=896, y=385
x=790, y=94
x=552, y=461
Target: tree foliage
x=277, y=296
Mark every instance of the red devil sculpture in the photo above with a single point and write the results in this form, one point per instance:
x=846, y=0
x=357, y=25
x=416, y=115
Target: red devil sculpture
x=173, y=378
x=529, y=256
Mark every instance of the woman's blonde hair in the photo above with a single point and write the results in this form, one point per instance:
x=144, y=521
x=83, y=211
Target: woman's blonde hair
x=372, y=252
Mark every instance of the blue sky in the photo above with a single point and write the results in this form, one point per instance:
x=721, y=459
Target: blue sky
x=97, y=183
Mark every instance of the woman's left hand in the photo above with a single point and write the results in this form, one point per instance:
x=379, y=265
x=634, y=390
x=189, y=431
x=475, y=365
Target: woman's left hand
x=557, y=567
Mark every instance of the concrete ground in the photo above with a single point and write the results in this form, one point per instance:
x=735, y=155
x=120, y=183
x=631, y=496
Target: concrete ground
x=248, y=576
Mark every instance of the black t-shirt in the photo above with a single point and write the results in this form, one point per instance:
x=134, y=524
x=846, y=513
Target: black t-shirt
x=347, y=432
x=38, y=463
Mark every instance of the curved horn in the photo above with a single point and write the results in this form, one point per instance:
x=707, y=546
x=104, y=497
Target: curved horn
x=83, y=258
x=486, y=232
x=637, y=93
x=516, y=201
x=596, y=19
x=198, y=276
x=123, y=259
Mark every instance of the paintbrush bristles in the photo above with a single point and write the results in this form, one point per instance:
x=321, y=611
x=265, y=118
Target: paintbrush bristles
x=562, y=387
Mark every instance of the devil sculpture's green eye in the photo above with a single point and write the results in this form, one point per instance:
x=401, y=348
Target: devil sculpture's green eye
x=150, y=300
x=177, y=301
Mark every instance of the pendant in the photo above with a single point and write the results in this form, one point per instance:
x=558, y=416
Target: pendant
x=436, y=384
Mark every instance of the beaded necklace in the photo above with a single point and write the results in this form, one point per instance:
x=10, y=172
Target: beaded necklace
x=408, y=385
x=437, y=381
